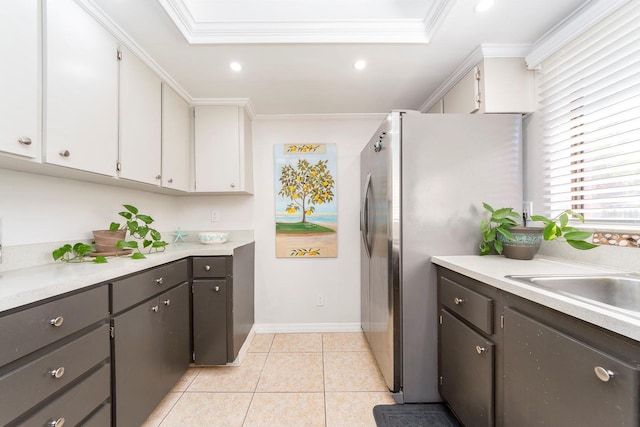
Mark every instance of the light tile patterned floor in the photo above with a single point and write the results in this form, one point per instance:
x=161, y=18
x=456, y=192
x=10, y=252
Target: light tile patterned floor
x=324, y=380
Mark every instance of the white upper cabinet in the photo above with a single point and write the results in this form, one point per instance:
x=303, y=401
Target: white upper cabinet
x=140, y=121
x=19, y=78
x=464, y=96
x=495, y=85
x=223, y=153
x=81, y=90
x=176, y=141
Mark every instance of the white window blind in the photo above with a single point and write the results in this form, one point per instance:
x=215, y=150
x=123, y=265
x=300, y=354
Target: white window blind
x=590, y=104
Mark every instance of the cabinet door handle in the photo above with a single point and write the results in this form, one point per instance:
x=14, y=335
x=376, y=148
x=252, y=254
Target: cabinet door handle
x=167, y=302
x=480, y=350
x=216, y=288
x=233, y=185
x=57, y=322
x=56, y=423
x=458, y=301
x=65, y=153
x=57, y=373
x=160, y=280
x=25, y=140
x=207, y=267
x=603, y=374
x=158, y=176
x=170, y=181
x=155, y=308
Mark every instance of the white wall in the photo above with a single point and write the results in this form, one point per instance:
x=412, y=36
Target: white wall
x=286, y=289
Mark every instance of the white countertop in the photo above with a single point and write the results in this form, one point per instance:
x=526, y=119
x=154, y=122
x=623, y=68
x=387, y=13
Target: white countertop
x=492, y=270
x=28, y=285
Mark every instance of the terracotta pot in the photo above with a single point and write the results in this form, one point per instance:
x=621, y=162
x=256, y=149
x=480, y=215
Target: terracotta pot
x=106, y=240
x=525, y=244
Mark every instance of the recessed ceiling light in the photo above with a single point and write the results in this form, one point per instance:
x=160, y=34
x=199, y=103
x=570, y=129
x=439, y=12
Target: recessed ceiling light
x=235, y=66
x=483, y=5
x=360, y=64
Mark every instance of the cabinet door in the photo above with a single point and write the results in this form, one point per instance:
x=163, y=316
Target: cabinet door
x=552, y=379
x=140, y=115
x=467, y=372
x=81, y=81
x=223, y=155
x=463, y=97
x=19, y=78
x=176, y=141
x=138, y=363
x=175, y=316
x=210, y=321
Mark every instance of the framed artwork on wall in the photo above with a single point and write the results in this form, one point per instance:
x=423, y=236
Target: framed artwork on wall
x=305, y=201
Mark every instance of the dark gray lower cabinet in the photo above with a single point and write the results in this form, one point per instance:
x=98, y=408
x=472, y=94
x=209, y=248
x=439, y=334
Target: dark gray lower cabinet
x=466, y=371
x=553, y=379
x=540, y=367
x=210, y=321
x=223, y=305
x=150, y=353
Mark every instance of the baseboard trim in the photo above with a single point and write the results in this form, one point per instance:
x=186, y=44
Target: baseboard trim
x=280, y=328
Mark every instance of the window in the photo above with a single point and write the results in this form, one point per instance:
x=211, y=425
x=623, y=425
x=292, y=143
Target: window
x=590, y=105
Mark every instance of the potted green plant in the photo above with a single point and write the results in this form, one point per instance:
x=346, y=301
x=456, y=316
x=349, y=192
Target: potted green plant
x=502, y=233
x=138, y=226
x=76, y=253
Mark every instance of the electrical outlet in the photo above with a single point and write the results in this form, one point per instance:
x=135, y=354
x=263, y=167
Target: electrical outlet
x=320, y=300
x=215, y=216
x=527, y=209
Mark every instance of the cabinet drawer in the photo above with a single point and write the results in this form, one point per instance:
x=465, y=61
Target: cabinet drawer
x=471, y=306
x=139, y=287
x=210, y=266
x=38, y=323
x=35, y=381
x=74, y=405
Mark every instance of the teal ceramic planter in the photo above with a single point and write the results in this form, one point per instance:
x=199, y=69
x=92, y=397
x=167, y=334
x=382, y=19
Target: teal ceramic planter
x=525, y=243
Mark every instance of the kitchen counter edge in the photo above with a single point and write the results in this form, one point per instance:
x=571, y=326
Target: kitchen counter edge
x=29, y=285
x=492, y=270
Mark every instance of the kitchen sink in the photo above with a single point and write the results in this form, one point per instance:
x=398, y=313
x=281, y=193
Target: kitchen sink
x=619, y=292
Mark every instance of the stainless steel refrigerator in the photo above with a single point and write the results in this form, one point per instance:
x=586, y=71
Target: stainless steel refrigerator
x=424, y=178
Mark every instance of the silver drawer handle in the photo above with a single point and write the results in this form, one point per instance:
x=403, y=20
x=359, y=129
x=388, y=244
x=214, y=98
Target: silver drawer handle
x=25, y=140
x=603, y=374
x=160, y=280
x=57, y=373
x=65, y=153
x=57, y=423
x=155, y=308
x=167, y=302
x=216, y=288
x=480, y=350
x=458, y=301
x=207, y=267
x=57, y=322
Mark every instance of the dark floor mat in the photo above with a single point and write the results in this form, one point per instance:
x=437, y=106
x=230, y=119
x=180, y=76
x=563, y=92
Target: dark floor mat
x=414, y=415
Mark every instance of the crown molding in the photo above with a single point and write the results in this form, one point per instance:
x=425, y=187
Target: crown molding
x=571, y=27
x=126, y=41
x=236, y=102
x=417, y=31
x=486, y=50
x=338, y=116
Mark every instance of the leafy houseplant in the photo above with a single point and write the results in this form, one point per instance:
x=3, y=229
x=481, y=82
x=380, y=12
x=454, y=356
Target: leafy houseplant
x=76, y=253
x=138, y=227
x=500, y=232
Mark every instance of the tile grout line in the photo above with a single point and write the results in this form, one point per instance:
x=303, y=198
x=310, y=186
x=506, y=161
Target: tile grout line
x=255, y=389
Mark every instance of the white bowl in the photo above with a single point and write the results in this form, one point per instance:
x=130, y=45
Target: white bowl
x=212, y=237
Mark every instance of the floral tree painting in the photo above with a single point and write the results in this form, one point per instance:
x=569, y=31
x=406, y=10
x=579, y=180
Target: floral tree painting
x=306, y=212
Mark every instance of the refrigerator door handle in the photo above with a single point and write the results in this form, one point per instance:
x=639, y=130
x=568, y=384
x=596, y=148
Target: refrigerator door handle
x=364, y=217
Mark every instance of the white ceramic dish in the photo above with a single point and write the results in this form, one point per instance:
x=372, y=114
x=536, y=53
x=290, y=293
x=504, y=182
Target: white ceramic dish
x=212, y=237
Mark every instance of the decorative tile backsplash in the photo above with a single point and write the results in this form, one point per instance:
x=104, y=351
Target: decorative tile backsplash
x=622, y=239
